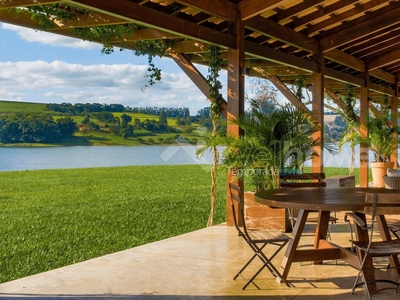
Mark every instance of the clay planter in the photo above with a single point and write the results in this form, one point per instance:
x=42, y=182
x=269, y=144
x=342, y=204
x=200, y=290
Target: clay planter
x=262, y=216
x=378, y=170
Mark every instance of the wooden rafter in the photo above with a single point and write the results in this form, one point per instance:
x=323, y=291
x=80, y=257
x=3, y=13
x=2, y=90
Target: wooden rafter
x=220, y=8
x=360, y=30
x=252, y=8
x=147, y=17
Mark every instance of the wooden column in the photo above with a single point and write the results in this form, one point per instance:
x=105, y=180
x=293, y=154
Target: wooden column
x=395, y=116
x=318, y=112
x=364, y=130
x=235, y=98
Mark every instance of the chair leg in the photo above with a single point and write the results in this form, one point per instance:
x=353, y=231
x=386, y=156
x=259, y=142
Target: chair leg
x=356, y=283
x=266, y=263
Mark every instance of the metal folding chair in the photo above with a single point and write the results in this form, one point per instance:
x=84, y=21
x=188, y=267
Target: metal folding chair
x=376, y=204
x=256, y=239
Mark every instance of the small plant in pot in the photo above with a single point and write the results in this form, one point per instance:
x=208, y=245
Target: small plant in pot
x=382, y=141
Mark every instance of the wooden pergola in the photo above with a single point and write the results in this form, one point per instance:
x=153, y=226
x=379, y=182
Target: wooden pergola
x=330, y=42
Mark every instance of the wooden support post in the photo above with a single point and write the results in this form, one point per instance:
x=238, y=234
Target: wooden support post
x=235, y=99
x=318, y=112
x=395, y=116
x=364, y=130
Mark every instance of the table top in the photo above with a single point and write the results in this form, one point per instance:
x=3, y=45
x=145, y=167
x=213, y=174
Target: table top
x=327, y=199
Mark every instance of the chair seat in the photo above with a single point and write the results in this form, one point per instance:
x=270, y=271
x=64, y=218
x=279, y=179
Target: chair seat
x=380, y=248
x=261, y=236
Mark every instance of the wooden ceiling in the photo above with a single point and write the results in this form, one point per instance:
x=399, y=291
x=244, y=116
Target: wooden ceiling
x=280, y=39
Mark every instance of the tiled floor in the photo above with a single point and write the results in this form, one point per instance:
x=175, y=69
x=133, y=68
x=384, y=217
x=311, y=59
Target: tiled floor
x=198, y=265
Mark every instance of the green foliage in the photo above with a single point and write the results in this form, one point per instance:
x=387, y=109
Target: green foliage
x=380, y=138
x=46, y=15
x=105, y=34
x=215, y=65
x=274, y=138
x=299, y=81
x=54, y=218
x=34, y=128
x=67, y=126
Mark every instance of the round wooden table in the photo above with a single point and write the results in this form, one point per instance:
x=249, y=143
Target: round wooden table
x=328, y=199
x=323, y=200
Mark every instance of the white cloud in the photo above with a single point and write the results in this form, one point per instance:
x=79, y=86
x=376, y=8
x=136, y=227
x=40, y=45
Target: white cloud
x=47, y=38
x=58, y=81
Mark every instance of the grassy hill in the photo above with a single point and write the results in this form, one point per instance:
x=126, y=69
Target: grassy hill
x=104, y=137
x=28, y=107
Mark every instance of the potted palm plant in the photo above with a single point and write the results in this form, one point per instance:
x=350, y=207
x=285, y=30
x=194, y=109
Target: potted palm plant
x=382, y=142
x=274, y=138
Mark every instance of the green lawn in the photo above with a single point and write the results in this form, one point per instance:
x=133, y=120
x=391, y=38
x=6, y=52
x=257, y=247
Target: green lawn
x=53, y=218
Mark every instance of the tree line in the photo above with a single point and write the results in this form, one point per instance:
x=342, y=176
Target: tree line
x=35, y=128
x=43, y=128
x=83, y=108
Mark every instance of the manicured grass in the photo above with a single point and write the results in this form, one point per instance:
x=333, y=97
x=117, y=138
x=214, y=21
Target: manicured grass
x=53, y=218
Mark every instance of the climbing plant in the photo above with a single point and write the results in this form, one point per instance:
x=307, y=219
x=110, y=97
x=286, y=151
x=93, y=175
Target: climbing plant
x=299, y=81
x=215, y=65
x=352, y=131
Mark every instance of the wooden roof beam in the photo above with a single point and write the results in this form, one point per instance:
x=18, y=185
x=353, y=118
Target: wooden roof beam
x=223, y=9
x=385, y=59
x=18, y=3
x=150, y=18
x=283, y=34
x=196, y=76
x=322, y=11
x=251, y=8
x=263, y=52
x=295, y=9
x=360, y=30
x=340, y=17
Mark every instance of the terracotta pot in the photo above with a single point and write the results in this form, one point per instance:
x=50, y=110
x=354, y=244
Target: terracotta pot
x=264, y=217
x=378, y=170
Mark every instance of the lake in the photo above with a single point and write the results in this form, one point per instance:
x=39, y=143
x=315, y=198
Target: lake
x=35, y=158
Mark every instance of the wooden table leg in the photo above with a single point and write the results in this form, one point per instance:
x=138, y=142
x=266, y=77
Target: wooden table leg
x=321, y=230
x=293, y=244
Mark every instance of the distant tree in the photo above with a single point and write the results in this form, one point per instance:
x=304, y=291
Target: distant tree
x=125, y=119
x=106, y=117
x=163, y=122
x=126, y=132
x=178, y=121
x=86, y=119
x=67, y=126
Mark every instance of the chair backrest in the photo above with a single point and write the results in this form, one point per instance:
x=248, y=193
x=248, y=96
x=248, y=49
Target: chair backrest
x=382, y=204
x=302, y=180
x=237, y=206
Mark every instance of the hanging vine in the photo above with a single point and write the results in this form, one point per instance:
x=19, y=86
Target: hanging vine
x=299, y=81
x=215, y=98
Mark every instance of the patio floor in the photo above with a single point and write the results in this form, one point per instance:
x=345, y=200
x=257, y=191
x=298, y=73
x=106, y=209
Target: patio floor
x=197, y=265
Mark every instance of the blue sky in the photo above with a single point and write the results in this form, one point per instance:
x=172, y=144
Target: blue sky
x=42, y=67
